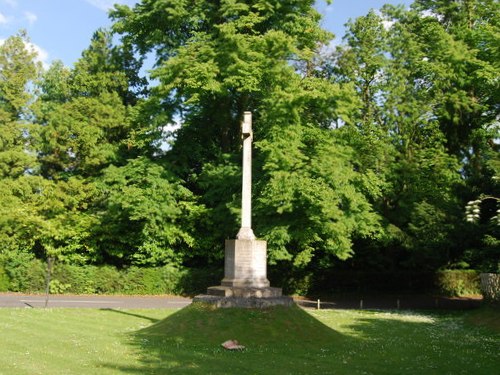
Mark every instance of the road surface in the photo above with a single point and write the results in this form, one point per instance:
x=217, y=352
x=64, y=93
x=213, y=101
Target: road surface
x=159, y=302
x=97, y=302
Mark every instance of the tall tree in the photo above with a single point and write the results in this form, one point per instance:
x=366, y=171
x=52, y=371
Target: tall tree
x=106, y=67
x=216, y=60
x=459, y=64
x=86, y=112
x=426, y=74
x=363, y=63
x=425, y=176
x=17, y=69
x=83, y=128
x=455, y=60
x=37, y=214
x=83, y=136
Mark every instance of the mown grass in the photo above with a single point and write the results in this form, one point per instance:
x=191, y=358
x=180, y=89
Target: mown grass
x=278, y=341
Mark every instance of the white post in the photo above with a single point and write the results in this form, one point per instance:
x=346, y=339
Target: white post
x=246, y=232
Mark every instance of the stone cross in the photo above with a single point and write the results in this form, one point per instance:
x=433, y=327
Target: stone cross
x=246, y=232
x=245, y=282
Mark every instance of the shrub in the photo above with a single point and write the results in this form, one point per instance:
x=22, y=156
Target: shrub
x=457, y=283
x=23, y=272
x=107, y=280
x=149, y=280
x=172, y=277
x=73, y=279
x=110, y=280
x=194, y=281
x=57, y=287
x=4, y=280
x=300, y=284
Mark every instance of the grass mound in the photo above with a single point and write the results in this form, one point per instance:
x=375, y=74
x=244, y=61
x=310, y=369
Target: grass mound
x=278, y=341
x=199, y=324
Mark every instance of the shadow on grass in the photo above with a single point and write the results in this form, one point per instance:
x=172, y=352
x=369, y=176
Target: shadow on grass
x=277, y=341
x=293, y=341
x=123, y=312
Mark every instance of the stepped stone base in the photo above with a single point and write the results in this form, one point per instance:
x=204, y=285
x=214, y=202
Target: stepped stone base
x=244, y=302
x=244, y=292
x=245, y=297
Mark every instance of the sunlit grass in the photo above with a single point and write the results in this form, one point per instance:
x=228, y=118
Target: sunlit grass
x=278, y=341
x=68, y=341
x=414, y=343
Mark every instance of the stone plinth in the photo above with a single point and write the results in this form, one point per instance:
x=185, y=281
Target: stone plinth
x=245, y=282
x=244, y=302
x=227, y=291
x=245, y=264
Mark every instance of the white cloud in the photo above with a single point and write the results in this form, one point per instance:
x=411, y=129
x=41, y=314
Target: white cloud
x=387, y=24
x=428, y=13
x=41, y=53
x=108, y=4
x=30, y=17
x=101, y=4
x=3, y=19
x=331, y=47
x=12, y=3
x=42, y=56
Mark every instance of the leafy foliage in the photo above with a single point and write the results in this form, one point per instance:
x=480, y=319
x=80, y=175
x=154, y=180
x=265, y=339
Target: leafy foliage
x=17, y=70
x=311, y=200
x=364, y=157
x=82, y=136
x=421, y=79
x=156, y=210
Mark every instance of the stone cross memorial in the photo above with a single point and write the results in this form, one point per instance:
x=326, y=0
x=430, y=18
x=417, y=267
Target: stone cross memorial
x=246, y=232
x=245, y=282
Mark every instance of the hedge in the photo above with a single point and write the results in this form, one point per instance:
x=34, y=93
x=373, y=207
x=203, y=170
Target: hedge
x=458, y=283
x=22, y=273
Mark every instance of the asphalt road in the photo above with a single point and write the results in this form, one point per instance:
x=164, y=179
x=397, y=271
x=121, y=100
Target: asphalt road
x=96, y=302
x=159, y=302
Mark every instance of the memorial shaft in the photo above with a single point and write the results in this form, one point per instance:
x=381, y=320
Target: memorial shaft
x=246, y=231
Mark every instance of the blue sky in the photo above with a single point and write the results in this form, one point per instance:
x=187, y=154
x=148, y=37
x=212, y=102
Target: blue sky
x=61, y=29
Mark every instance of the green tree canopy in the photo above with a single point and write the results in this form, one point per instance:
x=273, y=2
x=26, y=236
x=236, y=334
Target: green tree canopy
x=215, y=61
x=17, y=69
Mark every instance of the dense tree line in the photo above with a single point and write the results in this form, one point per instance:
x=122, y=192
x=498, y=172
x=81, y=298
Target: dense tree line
x=365, y=156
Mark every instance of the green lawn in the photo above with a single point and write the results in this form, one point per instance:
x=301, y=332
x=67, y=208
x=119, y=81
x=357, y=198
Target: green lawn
x=278, y=341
